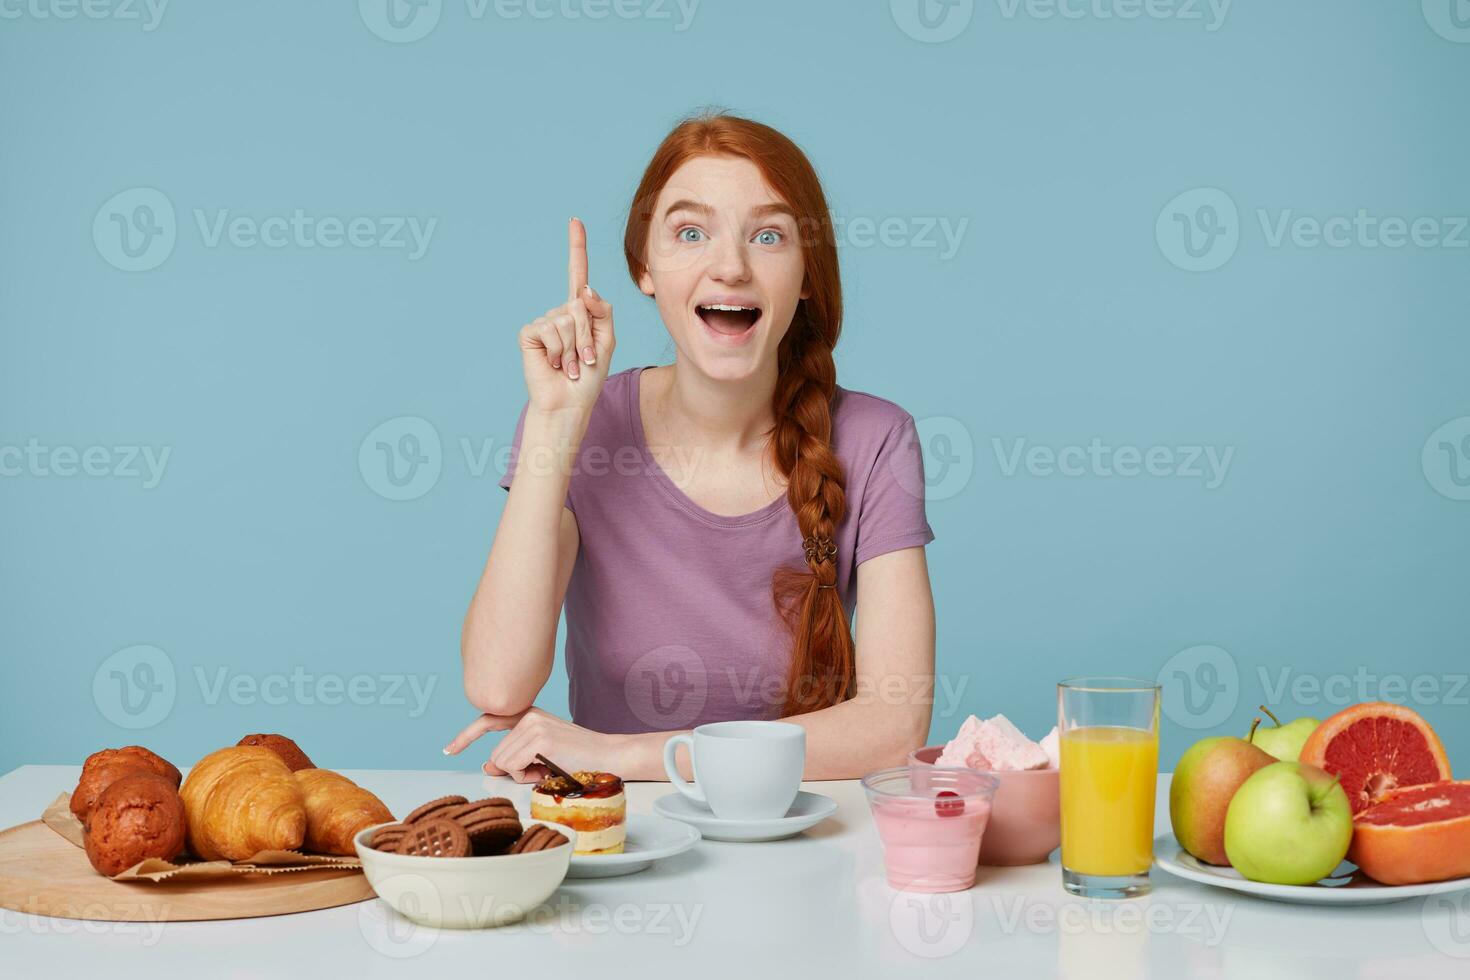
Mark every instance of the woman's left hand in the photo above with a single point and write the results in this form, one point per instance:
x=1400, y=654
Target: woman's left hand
x=534, y=731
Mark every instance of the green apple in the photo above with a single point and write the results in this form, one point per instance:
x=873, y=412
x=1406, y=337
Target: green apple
x=1288, y=824
x=1285, y=741
x=1207, y=776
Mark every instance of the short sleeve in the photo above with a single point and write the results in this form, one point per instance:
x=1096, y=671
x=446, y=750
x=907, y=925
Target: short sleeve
x=515, y=452
x=891, y=514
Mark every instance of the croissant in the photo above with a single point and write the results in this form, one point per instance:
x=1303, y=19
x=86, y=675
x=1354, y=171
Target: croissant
x=242, y=800
x=336, y=809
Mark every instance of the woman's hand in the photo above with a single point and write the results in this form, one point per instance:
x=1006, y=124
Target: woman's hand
x=567, y=351
x=534, y=731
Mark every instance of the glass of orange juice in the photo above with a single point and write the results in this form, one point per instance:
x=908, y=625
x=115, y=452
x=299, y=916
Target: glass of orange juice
x=1109, y=732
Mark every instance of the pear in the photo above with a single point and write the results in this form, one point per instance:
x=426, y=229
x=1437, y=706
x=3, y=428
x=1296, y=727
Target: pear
x=1207, y=776
x=1285, y=741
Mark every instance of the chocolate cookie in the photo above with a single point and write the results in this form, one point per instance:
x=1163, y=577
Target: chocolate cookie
x=435, y=838
x=386, y=838
x=138, y=816
x=282, y=746
x=432, y=808
x=538, y=838
x=491, y=823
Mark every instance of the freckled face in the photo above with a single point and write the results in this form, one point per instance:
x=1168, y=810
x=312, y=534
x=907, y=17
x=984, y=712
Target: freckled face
x=725, y=266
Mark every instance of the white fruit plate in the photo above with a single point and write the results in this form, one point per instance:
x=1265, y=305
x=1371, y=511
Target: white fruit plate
x=1345, y=886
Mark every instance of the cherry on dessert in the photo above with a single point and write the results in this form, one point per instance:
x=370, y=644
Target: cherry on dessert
x=947, y=803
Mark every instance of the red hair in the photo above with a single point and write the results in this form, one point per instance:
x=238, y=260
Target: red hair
x=806, y=599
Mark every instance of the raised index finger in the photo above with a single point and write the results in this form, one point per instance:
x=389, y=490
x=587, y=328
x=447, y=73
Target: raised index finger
x=576, y=258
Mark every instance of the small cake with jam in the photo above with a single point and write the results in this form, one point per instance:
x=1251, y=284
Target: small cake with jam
x=597, y=810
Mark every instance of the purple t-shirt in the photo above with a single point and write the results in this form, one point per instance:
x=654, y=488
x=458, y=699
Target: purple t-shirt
x=670, y=620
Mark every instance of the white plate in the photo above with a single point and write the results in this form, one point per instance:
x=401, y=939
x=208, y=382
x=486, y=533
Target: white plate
x=809, y=810
x=1346, y=886
x=649, y=838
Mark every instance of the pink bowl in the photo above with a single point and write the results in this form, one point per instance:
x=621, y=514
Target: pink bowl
x=1025, y=816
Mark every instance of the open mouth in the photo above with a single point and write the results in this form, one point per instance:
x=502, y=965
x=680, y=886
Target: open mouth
x=727, y=320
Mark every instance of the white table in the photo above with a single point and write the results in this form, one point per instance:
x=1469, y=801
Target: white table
x=814, y=904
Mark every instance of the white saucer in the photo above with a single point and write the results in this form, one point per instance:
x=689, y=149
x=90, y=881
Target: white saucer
x=649, y=838
x=808, y=810
x=1347, y=886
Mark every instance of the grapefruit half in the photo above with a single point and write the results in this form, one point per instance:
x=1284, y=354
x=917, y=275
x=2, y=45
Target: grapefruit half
x=1414, y=834
x=1376, y=747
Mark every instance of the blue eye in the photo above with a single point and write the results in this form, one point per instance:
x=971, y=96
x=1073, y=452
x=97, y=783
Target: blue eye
x=768, y=231
x=681, y=237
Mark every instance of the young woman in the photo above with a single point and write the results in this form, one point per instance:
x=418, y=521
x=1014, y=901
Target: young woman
x=711, y=523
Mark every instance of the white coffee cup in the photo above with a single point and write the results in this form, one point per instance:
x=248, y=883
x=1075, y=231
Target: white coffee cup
x=743, y=770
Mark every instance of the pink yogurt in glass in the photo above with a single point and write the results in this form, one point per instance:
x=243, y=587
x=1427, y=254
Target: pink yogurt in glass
x=931, y=822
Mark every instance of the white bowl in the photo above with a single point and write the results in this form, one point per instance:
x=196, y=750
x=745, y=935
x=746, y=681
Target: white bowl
x=467, y=892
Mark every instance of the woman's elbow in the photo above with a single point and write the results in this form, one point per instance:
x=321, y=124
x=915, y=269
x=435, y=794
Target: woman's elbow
x=494, y=699
x=496, y=692
x=909, y=731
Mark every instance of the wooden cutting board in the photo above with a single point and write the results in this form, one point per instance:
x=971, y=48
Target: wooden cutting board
x=44, y=874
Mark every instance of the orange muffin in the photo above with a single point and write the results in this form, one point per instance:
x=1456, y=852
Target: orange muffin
x=289, y=751
x=138, y=756
x=139, y=816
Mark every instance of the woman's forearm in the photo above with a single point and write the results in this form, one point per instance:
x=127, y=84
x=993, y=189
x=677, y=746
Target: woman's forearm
x=509, y=636
x=845, y=741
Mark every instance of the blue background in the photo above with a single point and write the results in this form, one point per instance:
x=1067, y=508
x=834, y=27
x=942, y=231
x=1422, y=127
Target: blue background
x=1333, y=553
